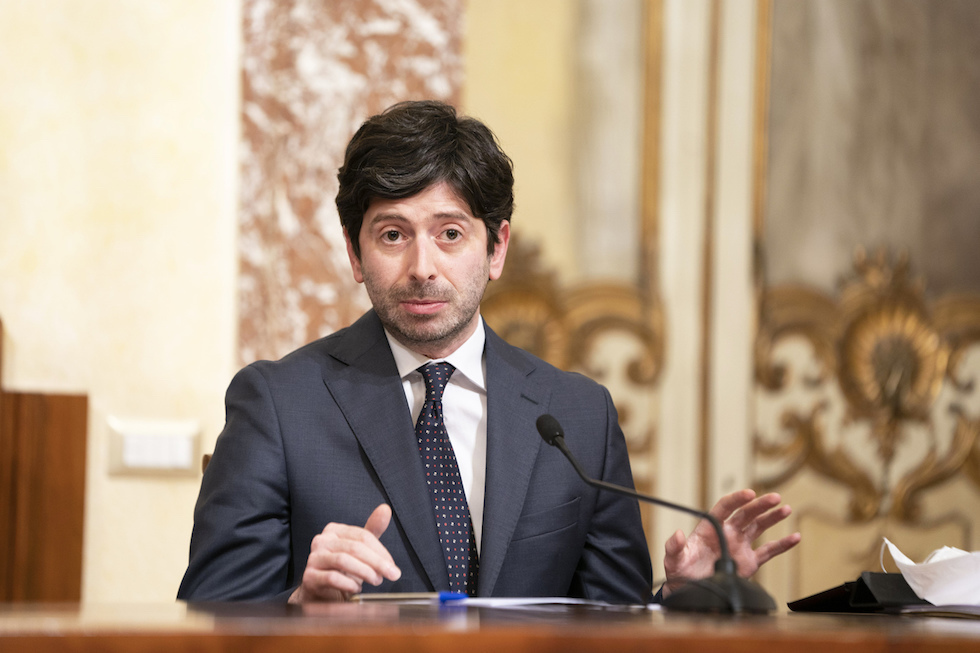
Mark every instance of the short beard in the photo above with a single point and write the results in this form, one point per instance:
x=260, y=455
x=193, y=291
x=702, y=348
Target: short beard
x=418, y=332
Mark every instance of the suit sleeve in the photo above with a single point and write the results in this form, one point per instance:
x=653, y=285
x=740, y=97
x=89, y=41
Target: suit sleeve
x=240, y=544
x=615, y=564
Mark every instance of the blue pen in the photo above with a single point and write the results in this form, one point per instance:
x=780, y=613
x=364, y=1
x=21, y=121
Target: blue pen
x=451, y=597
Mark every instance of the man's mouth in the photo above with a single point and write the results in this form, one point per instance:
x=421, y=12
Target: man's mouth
x=423, y=306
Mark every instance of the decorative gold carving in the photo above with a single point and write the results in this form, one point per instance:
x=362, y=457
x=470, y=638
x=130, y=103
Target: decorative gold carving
x=808, y=447
x=891, y=358
x=888, y=355
x=565, y=325
x=561, y=325
x=935, y=469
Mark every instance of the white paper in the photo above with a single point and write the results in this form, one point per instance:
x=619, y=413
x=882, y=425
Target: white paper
x=948, y=576
x=524, y=602
x=450, y=598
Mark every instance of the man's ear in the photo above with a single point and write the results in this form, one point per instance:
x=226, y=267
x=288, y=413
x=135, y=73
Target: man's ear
x=500, y=251
x=355, y=263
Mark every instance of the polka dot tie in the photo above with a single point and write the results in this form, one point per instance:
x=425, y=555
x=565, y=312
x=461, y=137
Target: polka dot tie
x=445, y=486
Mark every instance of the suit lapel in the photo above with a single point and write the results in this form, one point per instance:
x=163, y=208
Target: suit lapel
x=514, y=402
x=369, y=393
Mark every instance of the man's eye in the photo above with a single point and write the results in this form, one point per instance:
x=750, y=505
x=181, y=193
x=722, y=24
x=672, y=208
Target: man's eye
x=391, y=235
x=452, y=234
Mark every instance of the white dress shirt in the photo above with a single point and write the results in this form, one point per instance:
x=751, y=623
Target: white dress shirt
x=464, y=407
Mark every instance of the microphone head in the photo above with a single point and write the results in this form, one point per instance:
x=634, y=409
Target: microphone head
x=550, y=429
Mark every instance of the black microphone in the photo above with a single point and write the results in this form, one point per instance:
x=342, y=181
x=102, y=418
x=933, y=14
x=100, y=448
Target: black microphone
x=725, y=591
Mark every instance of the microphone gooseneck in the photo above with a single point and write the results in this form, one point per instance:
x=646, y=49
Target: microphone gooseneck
x=725, y=591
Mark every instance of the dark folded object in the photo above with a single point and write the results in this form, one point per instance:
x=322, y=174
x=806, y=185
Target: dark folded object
x=871, y=592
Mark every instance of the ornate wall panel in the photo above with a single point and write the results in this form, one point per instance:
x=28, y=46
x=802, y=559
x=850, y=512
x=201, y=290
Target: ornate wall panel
x=312, y=72
x=867, y=405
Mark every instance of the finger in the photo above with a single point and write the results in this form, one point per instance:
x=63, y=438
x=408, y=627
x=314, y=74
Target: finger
x=675, y=545
x=358, y=543
x=325, y=584
x=731, y=502
x=378, y=522
x=770, y=550
x=673, y=564
x=753, y=509
x=764, y=522
x=346, y=533
x=350, y=560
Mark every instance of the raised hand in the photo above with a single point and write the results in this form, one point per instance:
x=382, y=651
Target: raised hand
x=744, y=517
x=343, y=557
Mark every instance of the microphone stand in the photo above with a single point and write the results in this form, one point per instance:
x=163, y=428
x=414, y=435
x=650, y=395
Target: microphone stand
x=725, y=591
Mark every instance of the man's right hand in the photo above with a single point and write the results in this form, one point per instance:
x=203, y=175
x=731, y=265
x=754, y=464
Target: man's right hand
x=343, y=557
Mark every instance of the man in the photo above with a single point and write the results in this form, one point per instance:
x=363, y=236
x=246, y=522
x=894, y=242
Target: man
x=419, y=406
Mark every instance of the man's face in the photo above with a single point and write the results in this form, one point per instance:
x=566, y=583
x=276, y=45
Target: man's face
x=425, y=266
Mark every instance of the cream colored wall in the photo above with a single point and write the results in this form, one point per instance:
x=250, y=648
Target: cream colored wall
x=518, y=59
x=118, y=136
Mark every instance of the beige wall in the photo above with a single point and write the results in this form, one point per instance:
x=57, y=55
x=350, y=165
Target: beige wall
x=518, y=59
x=118, y=136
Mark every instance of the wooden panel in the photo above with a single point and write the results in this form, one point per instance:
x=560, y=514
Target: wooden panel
x=43, y=463
x=42, y=495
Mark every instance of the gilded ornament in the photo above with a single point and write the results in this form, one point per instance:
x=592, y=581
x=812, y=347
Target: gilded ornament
x=890, y=353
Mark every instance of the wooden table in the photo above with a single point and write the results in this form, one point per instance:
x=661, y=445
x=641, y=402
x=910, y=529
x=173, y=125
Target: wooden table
x=394, y=628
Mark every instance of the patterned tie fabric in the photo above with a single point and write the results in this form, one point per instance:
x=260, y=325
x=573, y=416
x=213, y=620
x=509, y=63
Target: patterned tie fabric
x=445, y=486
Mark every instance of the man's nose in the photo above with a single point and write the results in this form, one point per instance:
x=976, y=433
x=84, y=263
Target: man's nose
x=421, y=264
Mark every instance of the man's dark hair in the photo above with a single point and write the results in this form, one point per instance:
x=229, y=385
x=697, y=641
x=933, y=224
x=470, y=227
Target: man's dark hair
x=412, y=145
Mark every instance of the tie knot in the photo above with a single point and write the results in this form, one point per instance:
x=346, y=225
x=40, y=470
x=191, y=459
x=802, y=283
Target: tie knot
x=436, y=377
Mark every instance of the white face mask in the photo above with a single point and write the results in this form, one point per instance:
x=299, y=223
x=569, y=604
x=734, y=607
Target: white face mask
x=948, y=576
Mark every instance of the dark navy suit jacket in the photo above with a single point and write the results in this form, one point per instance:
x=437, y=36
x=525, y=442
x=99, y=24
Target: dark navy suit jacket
x=325, y=435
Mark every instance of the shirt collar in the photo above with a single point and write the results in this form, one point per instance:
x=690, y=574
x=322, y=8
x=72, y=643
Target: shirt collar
x=467, y=359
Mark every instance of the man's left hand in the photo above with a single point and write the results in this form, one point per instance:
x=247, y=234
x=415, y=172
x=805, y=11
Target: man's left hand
x=744, y=517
